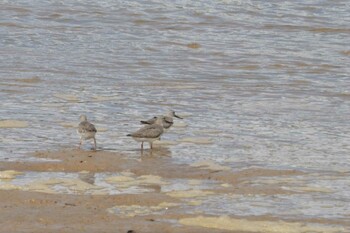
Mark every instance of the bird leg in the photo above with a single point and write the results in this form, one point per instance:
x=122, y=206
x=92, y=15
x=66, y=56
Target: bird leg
x=94, y=143
x=141, y=146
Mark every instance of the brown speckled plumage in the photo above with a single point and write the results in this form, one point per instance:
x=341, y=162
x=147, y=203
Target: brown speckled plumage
x=86, y=130
x=149, y=133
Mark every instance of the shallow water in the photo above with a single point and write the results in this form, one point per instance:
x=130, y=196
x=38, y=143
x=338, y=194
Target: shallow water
x=262, y=84
x=87, y=183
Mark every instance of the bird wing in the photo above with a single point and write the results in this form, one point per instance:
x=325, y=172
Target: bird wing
x=149, y=131
x=86, y=126
x=150, y=121
x=168, y=120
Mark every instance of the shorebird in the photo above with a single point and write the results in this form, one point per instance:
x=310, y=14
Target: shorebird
x=86, y=130
x=167, y=120
x=149, y=133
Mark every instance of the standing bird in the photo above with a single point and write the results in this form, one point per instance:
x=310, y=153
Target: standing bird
x=86, y=130
x=167, y=120
x=149, y=133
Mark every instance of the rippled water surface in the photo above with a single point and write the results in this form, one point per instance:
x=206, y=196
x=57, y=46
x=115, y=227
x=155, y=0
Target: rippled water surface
x=259, y=83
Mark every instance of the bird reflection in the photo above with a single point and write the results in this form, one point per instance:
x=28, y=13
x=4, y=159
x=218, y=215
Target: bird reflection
x=88, y=177
x=156, y=152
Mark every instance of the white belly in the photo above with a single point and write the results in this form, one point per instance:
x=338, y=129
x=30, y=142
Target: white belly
x=145, y=139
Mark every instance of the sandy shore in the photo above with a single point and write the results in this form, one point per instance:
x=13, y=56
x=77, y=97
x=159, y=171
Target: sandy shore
x=37, y=207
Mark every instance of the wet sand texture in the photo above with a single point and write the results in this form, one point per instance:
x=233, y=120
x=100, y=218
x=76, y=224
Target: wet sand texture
x=36, y=206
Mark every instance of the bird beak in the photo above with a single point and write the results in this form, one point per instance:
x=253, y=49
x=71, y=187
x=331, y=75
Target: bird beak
x=177, y=116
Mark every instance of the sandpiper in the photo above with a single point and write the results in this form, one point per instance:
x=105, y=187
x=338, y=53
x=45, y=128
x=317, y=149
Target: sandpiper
x=86, y=130
x=149, y=133
x=167, y=120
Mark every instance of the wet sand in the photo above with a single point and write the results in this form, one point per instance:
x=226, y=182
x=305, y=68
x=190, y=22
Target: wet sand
x=45, y=210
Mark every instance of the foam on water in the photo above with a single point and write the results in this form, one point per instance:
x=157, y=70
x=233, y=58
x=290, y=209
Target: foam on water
x=205, y=164
x=9, y=174
x=137, y=210
x=101, y=183
x=13, y=124
x=226, y=223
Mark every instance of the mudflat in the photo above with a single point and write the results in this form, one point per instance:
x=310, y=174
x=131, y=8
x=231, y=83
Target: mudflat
x=85, y=203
